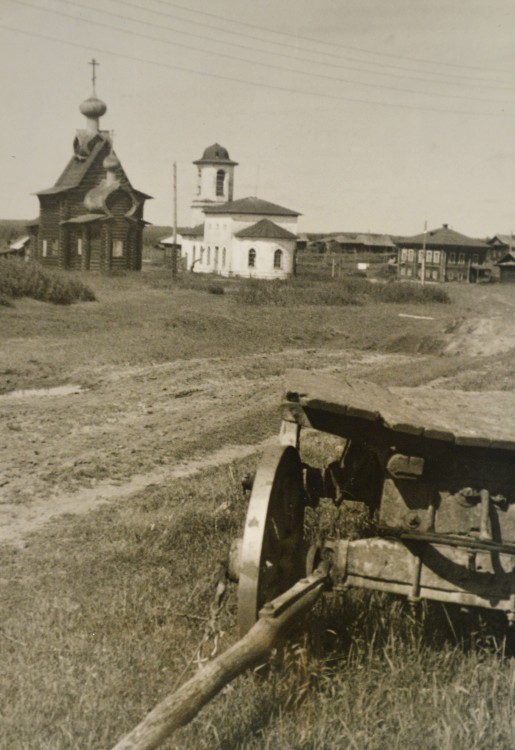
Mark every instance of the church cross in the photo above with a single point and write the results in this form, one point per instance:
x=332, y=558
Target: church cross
x=93, y=64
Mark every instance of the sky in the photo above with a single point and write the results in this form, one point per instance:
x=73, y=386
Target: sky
x=362, y=115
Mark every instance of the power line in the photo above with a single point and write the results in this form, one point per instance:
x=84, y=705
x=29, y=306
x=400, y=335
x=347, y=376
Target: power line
x=251, y=62
x=257, y=84
x=484, y=83
x=332, y=44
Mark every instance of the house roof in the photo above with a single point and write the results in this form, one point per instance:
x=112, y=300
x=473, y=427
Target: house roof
x=84, y=219
x=441, y=237
x=19, y=244
x=197, y=231
x=503, y=239
x=251, y=205
x=75, y=171
x=364, y=238
x=507, y=260
x=266, y=230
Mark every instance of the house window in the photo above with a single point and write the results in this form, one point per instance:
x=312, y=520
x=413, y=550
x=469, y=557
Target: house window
x=220, y=179
x=79, y=245
x=429, y=256
x=428, y=273
x=461, y=258
x=409, y=272
x=223, y=257
x=450, y=275
x=436, y=256
x=411, y=254
x=117, y=248
x=403, y=271
x=475, y=258
x=434, y=274
x=278, y=259
x=404, y=253
x=252, y=258
x=420, y=256
x=44, y=249
x=55, y=247
x=452, y=258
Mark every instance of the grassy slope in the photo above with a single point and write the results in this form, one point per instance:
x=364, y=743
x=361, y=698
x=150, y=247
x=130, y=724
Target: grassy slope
x=103, y=615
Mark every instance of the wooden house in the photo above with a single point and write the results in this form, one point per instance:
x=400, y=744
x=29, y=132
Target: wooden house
x=506, y=267
x=92, y=218
x=443, y=255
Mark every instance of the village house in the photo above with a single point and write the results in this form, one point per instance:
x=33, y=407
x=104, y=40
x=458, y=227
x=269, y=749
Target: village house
x=443, y=255
x=92, y=218
x=506, y=266
x=248, y=237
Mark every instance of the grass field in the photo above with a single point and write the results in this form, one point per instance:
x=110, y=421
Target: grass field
x=103, y=613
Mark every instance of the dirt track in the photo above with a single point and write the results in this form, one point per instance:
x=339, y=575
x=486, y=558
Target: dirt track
x=127, y=428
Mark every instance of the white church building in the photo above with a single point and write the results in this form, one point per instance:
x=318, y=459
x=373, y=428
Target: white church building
x=248, y=237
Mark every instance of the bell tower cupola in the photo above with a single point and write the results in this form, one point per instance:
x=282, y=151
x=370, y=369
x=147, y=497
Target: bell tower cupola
x=215, y=180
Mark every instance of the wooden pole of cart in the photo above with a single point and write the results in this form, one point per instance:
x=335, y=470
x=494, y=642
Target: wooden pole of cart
x=178, y=708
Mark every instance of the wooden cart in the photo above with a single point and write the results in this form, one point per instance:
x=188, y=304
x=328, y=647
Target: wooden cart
x=434, y=471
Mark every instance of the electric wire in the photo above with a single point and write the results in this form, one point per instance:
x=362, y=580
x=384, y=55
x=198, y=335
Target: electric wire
x=406, y=74
x=332, y=44
x=257, y=84
x=253, y=62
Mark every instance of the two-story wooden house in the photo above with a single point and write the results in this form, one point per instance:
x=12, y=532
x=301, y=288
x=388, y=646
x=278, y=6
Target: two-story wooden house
x=442, y=255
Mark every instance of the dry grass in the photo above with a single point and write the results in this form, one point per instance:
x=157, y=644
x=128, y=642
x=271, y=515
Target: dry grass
x=102, y=615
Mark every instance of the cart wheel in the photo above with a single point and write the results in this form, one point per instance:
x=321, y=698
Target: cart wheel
x=272, y=551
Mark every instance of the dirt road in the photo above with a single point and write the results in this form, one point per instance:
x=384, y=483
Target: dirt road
x=117, y=430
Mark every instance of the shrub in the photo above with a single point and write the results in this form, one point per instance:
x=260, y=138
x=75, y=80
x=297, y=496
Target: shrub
x=21, y=279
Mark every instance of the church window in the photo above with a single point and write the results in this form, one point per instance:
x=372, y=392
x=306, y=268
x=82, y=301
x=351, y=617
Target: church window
x=193, y=252
x=252, y=258
x=79, y=245
x=208, y=261
x=44, y=249
x=117, y=248
x=216, y=256
x=202, y=255
x=223, y=256
x=55, y=247
x=220, y=179
x=278, y=259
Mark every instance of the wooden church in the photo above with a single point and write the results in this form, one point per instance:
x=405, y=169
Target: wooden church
x=92, y=218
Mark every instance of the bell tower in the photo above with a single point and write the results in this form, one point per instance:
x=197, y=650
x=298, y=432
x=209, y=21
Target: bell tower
x=215, y=180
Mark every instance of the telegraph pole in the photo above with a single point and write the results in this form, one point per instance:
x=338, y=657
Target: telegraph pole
x=423, y=269
x=174, y=248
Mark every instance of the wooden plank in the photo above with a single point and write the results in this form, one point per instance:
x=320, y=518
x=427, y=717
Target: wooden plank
x=478, y=419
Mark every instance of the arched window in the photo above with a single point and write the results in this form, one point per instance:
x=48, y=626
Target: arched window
x=194, y=251
x=278, y=259
x=223, y=257
x=220, y=179
x=208, y=256
x=252, y=258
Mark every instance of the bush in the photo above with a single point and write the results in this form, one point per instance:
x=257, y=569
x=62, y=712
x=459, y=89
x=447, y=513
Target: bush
x=21, y=279
x=349, y=290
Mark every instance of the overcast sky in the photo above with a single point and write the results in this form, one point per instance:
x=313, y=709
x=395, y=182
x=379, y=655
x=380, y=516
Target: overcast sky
x=363, y=115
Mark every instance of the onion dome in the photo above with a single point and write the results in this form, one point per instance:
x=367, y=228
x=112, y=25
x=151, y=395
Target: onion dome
x=111, y=161
x=93, y=108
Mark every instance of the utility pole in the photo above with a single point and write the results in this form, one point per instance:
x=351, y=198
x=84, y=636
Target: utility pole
x=423, y=269
x=174, y=248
